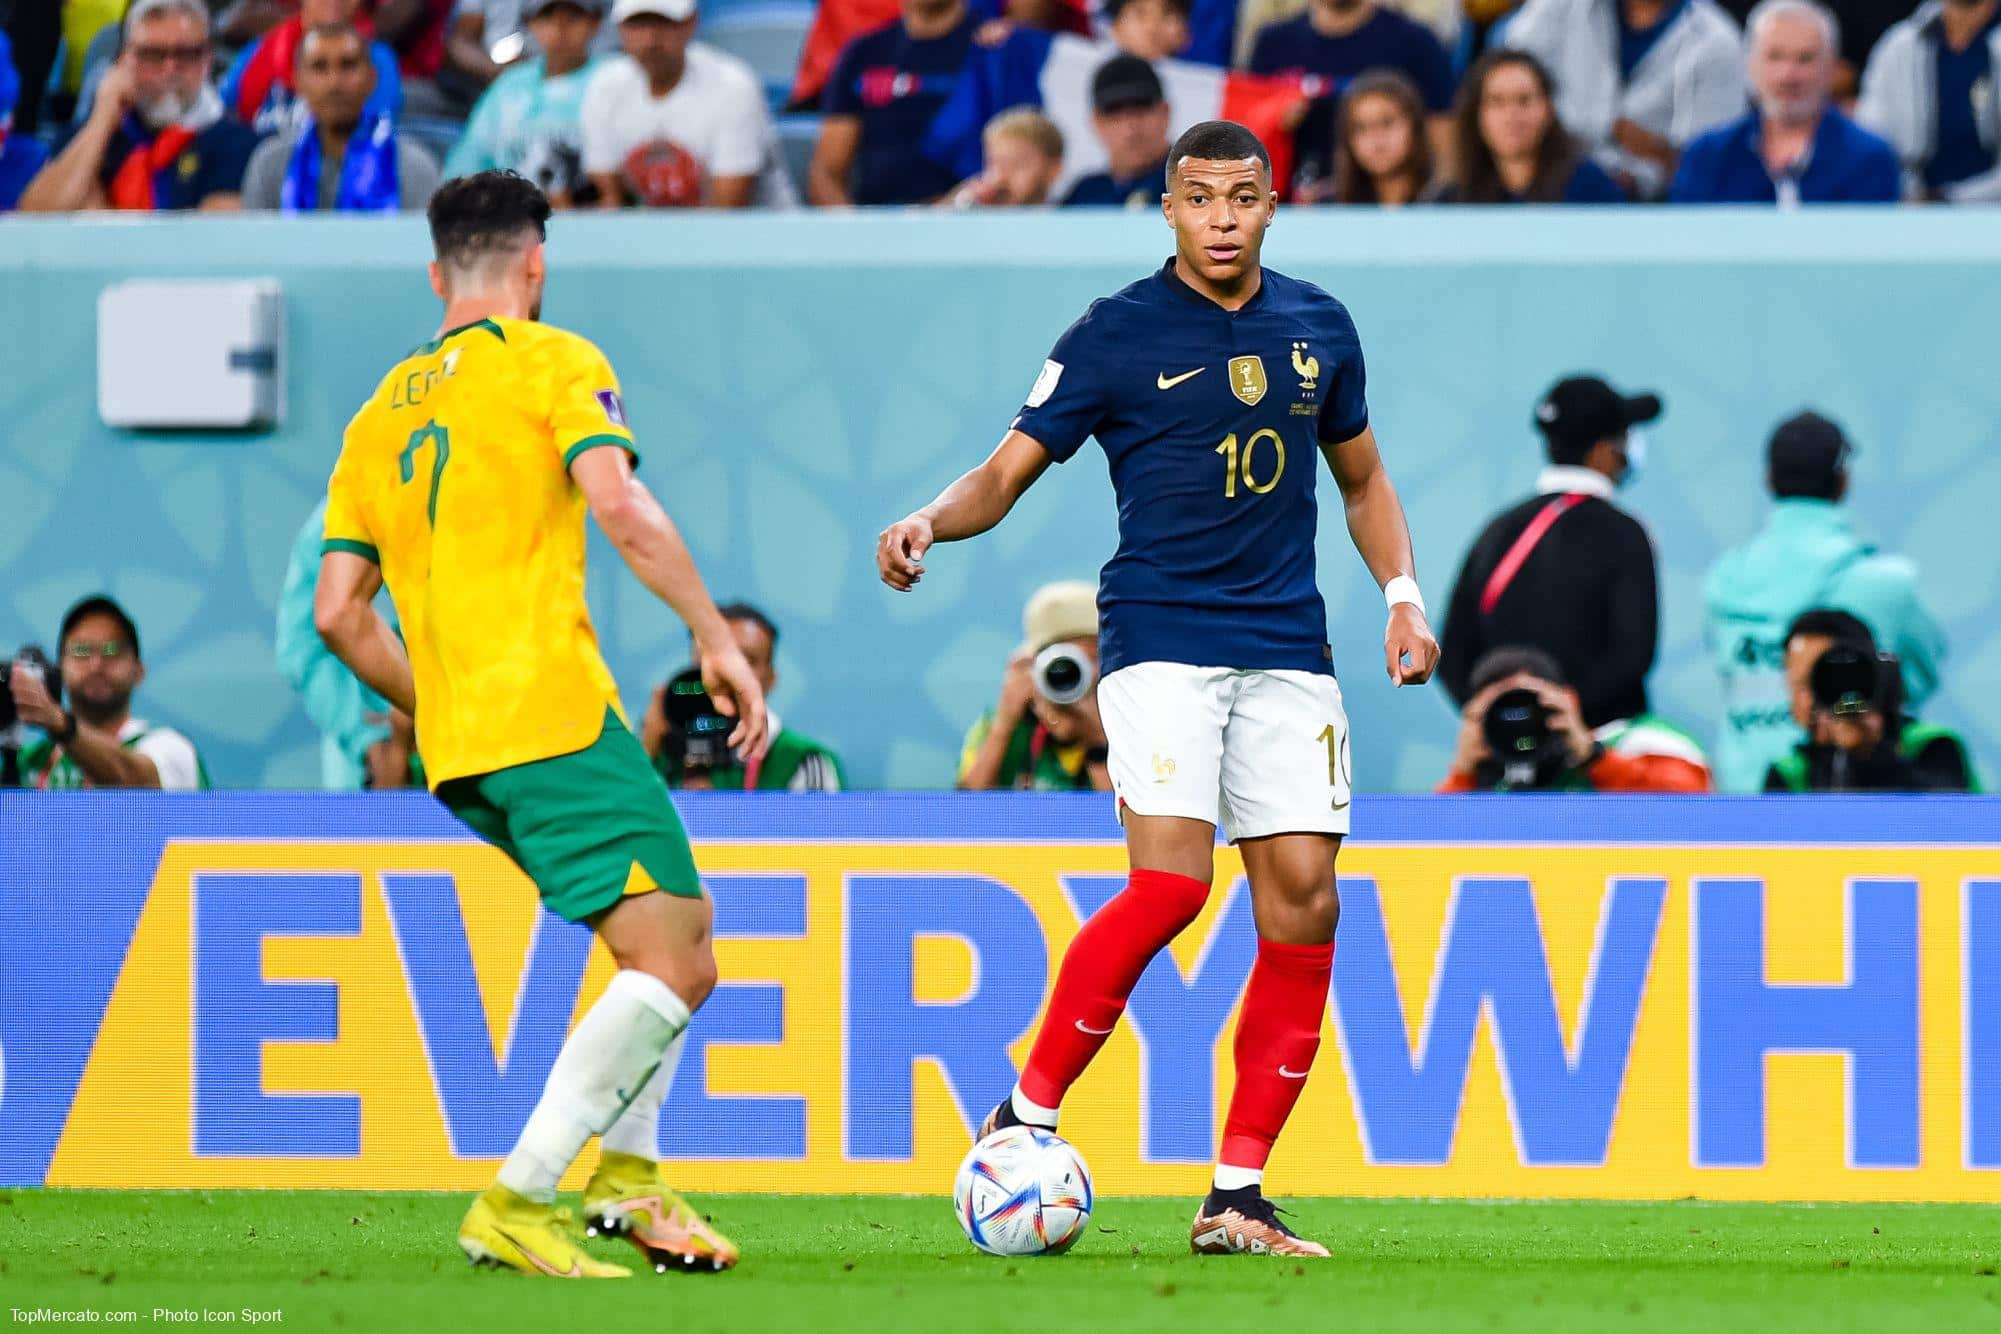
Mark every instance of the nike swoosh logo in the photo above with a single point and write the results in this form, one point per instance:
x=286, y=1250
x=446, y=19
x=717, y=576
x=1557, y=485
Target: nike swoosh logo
x=1161, y=379
x=1083, y=1027
x=1292, y=1074
x=574, y=1271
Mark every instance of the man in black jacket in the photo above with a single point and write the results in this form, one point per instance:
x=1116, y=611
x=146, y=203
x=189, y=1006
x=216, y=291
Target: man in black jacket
x=1567, y=571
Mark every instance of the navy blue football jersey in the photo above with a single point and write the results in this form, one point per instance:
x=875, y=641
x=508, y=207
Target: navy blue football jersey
x=1211, y=421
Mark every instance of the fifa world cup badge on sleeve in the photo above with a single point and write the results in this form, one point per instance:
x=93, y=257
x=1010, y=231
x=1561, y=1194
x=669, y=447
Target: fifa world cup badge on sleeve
x=1045, y=383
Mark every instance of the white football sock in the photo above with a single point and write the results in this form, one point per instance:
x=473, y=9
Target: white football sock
x=1236, y=1178
x=637, y=1130
x=1033, y=1112
x=606, y=1063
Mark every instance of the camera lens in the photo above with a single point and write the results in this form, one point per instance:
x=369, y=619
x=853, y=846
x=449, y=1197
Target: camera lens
x=1063, y=674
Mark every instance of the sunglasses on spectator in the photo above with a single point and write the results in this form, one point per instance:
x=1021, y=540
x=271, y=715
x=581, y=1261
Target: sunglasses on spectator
x=155, y=56
x=110, y=648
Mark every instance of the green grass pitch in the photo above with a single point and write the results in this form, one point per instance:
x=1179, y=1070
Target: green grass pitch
x=366, y=1262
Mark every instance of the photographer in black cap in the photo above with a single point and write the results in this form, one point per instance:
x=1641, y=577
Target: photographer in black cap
x=1523, y=732
x=1848, y=697
x=1567, y=571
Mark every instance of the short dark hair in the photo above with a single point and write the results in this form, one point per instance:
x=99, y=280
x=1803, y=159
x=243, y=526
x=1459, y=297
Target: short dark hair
x=486, y=212
x=1216, y=141
x=744, y=611
x=1829, y=623
x=1114, y=7
x=98, y=604
x=1501, y=663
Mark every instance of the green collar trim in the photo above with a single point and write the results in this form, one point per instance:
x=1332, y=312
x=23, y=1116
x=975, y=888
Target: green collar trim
x=427, y=349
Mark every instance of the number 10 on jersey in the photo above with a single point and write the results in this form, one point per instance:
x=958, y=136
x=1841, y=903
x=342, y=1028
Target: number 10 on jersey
x=1244, y=461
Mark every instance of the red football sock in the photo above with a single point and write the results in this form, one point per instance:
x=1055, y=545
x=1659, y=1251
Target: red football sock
x=1099, y=972
x=1278, y=1033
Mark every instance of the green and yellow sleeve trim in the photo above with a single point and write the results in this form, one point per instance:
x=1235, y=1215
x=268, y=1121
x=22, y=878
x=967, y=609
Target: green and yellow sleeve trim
x=352, y=547
x=591, y=442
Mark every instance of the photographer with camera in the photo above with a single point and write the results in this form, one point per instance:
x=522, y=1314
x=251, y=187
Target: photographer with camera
x=688, y=740
x=1848, y=696
x=96, y=742
x=1045, y=735
x=1523, y=731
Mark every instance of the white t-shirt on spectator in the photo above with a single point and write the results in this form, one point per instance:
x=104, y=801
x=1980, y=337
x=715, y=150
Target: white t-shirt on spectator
x=171, y=753
x=716, y=114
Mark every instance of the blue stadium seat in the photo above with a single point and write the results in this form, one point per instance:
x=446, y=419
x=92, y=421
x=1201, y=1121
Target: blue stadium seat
x=766, y=34
x=797, y=133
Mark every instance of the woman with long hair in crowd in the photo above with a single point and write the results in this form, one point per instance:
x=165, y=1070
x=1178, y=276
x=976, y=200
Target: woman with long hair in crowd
x=1509, y=146
x=1381, y=152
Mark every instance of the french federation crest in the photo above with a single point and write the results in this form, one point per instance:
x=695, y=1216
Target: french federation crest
x=1247, y=379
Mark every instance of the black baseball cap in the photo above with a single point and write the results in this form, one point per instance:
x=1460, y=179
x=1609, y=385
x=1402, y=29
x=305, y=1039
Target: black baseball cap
x=1581, y=410
x=93, y=605
x=1807, y=456
x=1125, y=81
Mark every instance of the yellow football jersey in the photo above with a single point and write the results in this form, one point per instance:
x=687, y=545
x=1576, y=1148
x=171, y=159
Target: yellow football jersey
x=455, y=478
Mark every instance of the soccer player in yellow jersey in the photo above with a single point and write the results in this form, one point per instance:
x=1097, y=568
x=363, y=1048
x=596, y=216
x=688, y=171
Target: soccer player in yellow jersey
x=462, y=483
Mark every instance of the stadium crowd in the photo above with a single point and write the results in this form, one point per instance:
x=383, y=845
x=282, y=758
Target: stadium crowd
x=365, y=105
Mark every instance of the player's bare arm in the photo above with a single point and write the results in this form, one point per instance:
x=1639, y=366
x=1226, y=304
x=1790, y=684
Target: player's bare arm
x=968, y=507
x=1376, y=523
x=651, y=545
x=344, y=614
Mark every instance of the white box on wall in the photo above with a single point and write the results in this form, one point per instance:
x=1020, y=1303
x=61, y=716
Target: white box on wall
x=191, y=353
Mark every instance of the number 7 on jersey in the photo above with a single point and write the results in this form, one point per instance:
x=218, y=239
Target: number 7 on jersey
x=433, y=434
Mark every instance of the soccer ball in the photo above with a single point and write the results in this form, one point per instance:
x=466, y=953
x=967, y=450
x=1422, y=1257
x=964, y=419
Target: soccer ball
x=1023, y=1191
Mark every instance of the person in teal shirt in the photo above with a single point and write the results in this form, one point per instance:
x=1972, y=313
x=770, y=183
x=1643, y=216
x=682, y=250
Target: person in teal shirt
x=530, y=119
x=357, y=749
x=1807, y=555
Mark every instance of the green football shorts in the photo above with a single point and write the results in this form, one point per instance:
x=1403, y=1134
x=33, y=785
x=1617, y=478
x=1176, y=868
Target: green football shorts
x=589, y=827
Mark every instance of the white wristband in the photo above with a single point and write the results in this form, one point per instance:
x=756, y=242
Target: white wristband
x=1403, y=588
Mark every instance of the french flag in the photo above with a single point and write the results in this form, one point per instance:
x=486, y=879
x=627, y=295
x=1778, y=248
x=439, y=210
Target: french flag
x=1053, y=71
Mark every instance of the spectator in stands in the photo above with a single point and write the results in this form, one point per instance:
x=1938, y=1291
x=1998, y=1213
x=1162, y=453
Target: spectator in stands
x=1014, y=745
x=359, y=745
x=794, y=763
x=1149, y=29
x=880, y=100
x=157, y=137
x=97, y=742
x=1024, y=156
x=416, y=29
x=1567, y=571
x=1338, y=40
x=1382, y=152
x=1794, y=148
x=21, y=155
x=1130, y=115
x=1509, y=147
x=1929, y=89
x=531, y=119
x=1524, y=731
x=1807, y=555
x=1636, y=79
x=1857, y=736
x=261, y=88
x=480, y=34
x=343, y=157
x=674, y=123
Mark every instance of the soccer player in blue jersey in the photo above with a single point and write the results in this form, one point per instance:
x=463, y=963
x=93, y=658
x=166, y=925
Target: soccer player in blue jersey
x=1209, y=384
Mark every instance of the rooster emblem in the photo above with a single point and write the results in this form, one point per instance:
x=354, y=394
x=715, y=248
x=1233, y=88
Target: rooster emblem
x=1308, y=368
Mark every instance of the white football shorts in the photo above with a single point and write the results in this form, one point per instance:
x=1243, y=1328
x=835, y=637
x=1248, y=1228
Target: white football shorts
x=1253, y=753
